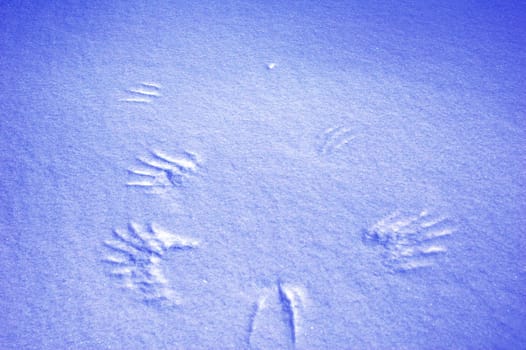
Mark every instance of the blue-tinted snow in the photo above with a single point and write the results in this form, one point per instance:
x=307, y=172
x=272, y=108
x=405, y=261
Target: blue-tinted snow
x=262, y=174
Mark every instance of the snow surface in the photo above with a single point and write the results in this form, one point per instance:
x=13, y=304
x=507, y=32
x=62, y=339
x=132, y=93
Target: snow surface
x=262, y=174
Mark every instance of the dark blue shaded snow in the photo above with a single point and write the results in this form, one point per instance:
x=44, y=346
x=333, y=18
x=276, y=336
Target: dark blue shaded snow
x=262, y=175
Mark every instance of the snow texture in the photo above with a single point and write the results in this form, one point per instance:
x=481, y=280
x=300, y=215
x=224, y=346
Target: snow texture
x=262, y=175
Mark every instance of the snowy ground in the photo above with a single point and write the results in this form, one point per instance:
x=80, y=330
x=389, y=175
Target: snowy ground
x=264, y=174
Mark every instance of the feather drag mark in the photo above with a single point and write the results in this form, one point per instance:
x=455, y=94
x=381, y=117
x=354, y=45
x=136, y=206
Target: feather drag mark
x=410, y=241
x=333, y=139
x=143, y=93
x=135, y=259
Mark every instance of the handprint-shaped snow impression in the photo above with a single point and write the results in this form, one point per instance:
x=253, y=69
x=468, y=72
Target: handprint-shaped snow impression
x=159, y=171
x=410, y=241
x=136, y=260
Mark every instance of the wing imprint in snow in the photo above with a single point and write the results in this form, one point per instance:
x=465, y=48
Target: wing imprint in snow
x=159, y=171
x=410, y=241
x=334, y=139
x=145, y=92
x=135, y=257
x=275, y=317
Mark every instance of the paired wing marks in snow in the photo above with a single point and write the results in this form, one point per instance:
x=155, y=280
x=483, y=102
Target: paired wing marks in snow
x=291, y=300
